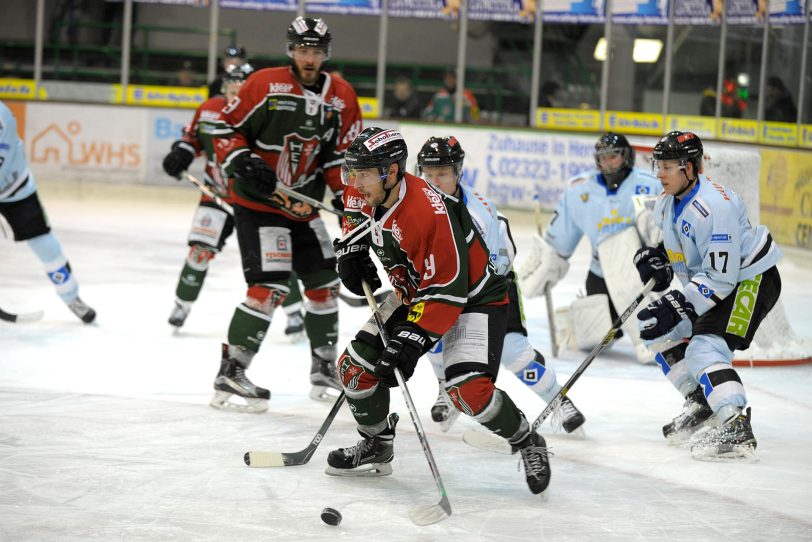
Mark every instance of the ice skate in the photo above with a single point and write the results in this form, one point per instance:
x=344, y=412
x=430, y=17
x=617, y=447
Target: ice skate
x=444, y=412
x=535, y=457
x=732, y=441
x=231, y=381
x=83, y=311
x=179, y=313
x=294, y=330
x=371, y=456
x=568, y=417
x=695, y=414
x=323, y=374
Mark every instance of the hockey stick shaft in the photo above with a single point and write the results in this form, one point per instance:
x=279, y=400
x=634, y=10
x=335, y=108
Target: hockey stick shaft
x=429, y=514
x=261, y=458
x=548, y=298
x=594, y=353
x=21, y=317
x=203, y=187
x=360, y=301
x=307, y=199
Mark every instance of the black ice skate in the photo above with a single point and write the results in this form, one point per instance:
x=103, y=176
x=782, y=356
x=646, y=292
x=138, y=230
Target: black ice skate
x=732, y=441
x=371, y=456
x=568, y=416
x=323, y=374
x=179, y=313
x=231, y=381
x=695, y=414
x=443, y=411
x=295, y=326
x=536, y=462
x=82, y=310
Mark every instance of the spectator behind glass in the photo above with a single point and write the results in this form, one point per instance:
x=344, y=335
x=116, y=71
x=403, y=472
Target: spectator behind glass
x=778, y=104
x=441, y=105
x=549, y=94
x=185, y=76
x=405, y=104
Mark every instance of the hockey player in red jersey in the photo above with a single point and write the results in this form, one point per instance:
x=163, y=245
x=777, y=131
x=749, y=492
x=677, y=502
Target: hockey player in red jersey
x=288, y=125
x=445, y=288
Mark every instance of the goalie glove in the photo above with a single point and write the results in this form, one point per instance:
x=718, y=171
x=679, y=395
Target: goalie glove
x=543, y=268
x=178, y=159
x=669, y=318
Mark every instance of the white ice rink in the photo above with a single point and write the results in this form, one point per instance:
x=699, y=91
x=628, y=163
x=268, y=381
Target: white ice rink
x=106, y=434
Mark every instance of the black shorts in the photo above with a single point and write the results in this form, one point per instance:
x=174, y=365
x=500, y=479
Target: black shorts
x=515, y=311
x=26, y=217
x=738, y=316
x=272, y=246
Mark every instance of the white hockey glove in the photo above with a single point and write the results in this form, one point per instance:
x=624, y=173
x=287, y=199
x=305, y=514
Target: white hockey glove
x=543, y=268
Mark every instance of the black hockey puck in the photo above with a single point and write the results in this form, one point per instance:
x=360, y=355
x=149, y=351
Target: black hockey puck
x=331, y=516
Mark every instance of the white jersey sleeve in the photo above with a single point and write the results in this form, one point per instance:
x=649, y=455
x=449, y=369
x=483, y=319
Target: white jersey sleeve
x=493, y=228
x=15, y=178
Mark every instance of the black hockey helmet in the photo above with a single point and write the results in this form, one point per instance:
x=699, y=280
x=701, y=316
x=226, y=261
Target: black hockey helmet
x=309, y=32
x=235, y=74
x=441, y=151
x=612, y=143
x=375, y=148
x=235, y=51
x=683, y=146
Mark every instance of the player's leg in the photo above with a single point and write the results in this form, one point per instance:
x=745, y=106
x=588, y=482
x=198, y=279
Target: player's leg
x=28, y=223
x=443, y=411
x=211, y=227
x=293, y=307
x=315, y=263
x=258, y=234
x=368, y=398
x=729, y=326
x=471, y=367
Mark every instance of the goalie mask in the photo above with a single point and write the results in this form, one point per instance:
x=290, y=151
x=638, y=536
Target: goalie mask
x=441, y=151
x=309, y=32
x=612, y=144
x=374, y=148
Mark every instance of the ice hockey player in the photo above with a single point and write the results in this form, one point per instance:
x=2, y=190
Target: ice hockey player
x=288, y=125
x=729, y=283
x=599, y=204
x=234, y=56
x=440, y=162
x=20, y=206
x=212, y=225
x=444, y=287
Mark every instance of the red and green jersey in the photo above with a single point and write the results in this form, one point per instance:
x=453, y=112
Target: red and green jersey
x=431, y=251
x=198, y=134
x=301, y=134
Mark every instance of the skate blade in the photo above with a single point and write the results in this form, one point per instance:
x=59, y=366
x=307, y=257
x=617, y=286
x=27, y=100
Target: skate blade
x=686, y=437
x=736, y=454
x=364, y=471
x=446, y=424
x=295, y=337
x=221, y=401
x=324, y=394
x=578, y=433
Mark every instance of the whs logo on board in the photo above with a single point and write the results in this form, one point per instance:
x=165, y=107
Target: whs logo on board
x=55, y=145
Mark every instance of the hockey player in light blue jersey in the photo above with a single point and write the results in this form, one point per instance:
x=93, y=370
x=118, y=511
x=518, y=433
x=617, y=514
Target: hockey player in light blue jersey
x=440, y=163
x=597, y=204
x=729, y=283
x=22, y=209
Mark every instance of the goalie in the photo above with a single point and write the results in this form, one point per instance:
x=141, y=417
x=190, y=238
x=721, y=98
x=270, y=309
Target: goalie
x=599, y=204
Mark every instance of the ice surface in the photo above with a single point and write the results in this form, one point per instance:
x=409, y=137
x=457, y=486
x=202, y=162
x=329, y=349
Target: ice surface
x=105, y=432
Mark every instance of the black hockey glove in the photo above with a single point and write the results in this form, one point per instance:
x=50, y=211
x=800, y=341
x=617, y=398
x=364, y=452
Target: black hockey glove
x=406, y=344
x=671, y=316
x=355, y=265
x=253, y=169
x=178, y=159
x=652, y=262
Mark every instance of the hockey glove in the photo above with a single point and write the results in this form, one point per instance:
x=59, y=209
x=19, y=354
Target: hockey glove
x=652, y=262
x=670, y=317
x=178, y=159
x=406, y=344
x=355, y=266
x=543, y=268
x=254, y=170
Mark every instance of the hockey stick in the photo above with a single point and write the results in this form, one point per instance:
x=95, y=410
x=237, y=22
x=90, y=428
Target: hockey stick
x=307, y=199
x=209, y=192
x=548, y=299
x=260, y=458
x=360, y=301
x=428, y=514
x=486, y=441
x=24, y=317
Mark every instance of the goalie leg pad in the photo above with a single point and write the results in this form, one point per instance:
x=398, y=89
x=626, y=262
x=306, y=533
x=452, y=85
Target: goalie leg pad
x=590, y=320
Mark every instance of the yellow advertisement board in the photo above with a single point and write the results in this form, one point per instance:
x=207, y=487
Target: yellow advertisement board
x=20, y=89
x=568, y=119
x=744, y=131
x=779, y=133
x=634, y=123
x=805, y=137
x=704, y=127
x=156, y=96
x=369, y=107
x=786, y=196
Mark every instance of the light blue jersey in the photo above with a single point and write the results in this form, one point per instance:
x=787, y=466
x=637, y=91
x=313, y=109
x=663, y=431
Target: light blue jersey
x=493, y=227
x=711, y=244
x=16, y=181
x=588, y=207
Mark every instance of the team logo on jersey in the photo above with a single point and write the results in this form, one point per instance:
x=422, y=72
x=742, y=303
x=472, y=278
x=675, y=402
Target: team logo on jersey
x=704, y=291
x=296, y=159
x=641, y=189
x=349, y=372
x=416, y=312
x=686, y=228
x=585, y=197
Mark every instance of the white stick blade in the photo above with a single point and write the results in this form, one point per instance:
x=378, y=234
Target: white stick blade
x=259, y=459
x=427, y=515
x=487, y=442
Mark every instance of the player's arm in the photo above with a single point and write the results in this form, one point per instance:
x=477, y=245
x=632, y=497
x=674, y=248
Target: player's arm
x=355, y=265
